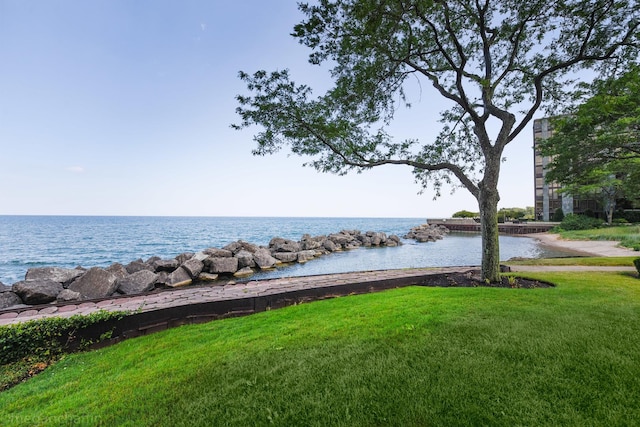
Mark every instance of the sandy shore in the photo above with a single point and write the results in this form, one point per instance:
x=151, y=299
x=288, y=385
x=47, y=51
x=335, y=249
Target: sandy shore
x=584, y=247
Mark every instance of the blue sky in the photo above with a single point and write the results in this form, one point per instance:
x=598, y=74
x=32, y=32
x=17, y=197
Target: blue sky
x=120, y=107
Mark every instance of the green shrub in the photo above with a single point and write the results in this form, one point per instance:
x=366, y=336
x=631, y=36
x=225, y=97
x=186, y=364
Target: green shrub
x=465, y=214
x=579, y=222
x=558, y=215
x=636, y=262
x=49, y=337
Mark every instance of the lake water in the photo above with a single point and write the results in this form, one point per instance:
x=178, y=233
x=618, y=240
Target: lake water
x=69, y=241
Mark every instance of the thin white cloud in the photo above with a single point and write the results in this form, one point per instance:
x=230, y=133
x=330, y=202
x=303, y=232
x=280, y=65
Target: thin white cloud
x=203, y=26
x=75, y=169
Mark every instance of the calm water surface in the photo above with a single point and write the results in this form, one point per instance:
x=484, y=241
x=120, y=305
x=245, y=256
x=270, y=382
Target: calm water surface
x=69, y=241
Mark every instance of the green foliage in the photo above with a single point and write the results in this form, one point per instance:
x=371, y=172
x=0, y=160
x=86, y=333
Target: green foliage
x=510, y=214
x=407, y=357
x=558, y=215
x=595, y=149
x=579, y=222
x=488, y=60
x=49, y=337
x=636, y=262
x=465, y=214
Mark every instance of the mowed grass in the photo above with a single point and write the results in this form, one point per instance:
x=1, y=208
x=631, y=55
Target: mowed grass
x=627, y=235
x=584, y=261
x=568, y=355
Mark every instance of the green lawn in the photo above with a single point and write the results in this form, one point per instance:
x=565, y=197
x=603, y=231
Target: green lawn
x=585, y=261
x=568, y=355
x=628, y=236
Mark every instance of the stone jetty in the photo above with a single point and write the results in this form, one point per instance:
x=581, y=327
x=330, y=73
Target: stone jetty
x=236, y=260
x=427, y=233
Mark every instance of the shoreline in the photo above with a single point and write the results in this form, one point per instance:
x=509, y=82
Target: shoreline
x=605, y=248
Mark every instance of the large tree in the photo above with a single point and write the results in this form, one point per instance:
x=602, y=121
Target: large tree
x=595, y=147
x=493, y=61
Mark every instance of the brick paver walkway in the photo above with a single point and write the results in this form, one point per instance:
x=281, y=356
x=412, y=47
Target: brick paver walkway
x=208, y=293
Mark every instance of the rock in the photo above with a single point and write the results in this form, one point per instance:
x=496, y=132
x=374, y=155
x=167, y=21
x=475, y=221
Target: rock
x=68, y=295
x=307, y=242
x=427, y=233
x=117, y=270
x=182, y=258
x=9, y=299
x=263, y=259
x=245, y=259
x=200, y=256
x=218, y=253
x=162, y=279
x=330, y=245
x=61, y=275
x=278, y=244
x=95, y=283
x=377, y=239
x=41, y=291
x=221, y=265
x=151, y=260
x=178, y=278
x=243, y=272
x=141, y=281
x=304, y=256
x=137, y=265
x=339, y=239
x=168, y=265
x=236, y=247
x=207, y=277
x=286, y=256
x=193, y=267
x=364, y=240
x=4, y=288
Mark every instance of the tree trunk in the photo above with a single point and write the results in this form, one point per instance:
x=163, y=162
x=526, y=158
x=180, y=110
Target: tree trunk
x=488, y=204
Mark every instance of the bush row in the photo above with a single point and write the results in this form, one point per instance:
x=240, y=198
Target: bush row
x=50, y=337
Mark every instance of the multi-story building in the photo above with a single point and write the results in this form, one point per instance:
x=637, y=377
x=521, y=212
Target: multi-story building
x=548, y=197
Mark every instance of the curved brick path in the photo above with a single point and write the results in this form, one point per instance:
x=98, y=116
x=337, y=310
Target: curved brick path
x=251, y=289
x=208, y=293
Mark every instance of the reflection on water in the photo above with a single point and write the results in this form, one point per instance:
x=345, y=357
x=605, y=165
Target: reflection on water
x=456, y=249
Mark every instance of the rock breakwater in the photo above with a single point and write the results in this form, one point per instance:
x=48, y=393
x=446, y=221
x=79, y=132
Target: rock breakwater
x=236, y=260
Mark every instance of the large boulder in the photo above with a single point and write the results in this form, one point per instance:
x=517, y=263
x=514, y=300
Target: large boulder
x=182, y=258
x=68, y=295
x=178, y=278
x=137, y=265
x=330, y=246
x=278, y=244
x=117, y=270
x=95, y=283
x=286, y=256
x=221, y=265
x=168, y=265
x=236, y=247
x=245, y=259
x=9, y=299
x=304, y=256
x=307, y=242
x=218, y=253
x=61, y=275
x=193, y=267
x=37, y=291
x=263, y=259
x=340, y=239
x=141, y=281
